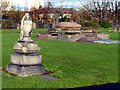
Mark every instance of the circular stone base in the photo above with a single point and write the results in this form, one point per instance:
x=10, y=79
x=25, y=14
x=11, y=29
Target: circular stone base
x=26, y=47
x=25, y=71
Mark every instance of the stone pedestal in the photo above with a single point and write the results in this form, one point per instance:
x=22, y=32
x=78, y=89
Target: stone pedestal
x=26, y=60
x=25, y=70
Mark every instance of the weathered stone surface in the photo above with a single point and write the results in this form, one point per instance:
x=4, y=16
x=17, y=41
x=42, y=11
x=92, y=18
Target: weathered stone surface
x=76, y=37
x=88, y=39
x=26, y=28
x=52, y=37
x=62, y=37
x=45, y=36
x=48, y=77
x=91, y=35
x=23, y=59
x=103, y=36
x=42, y=36
x=25, y=70
x=67, y=24
x=26, y=47
x=68, y=28
x=70, y=37
x=26, y=60
x=28, y=39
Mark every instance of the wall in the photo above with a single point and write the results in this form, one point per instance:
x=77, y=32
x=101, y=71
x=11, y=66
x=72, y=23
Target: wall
x=43, y=25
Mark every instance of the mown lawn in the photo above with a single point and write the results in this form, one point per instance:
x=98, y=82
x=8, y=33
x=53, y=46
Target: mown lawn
x=76, y=64
x=11, y=31
x=113, y=35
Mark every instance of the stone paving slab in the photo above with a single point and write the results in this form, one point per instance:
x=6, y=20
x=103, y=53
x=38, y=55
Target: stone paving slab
x=48, y=77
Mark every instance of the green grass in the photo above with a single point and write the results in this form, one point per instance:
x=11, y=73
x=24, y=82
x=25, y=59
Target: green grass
x=105, y=30
x=13, y=31
x=77, y=64
x=113, y=35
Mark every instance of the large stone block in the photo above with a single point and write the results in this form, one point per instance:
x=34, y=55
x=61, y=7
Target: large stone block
x=76, y=37
x=23, y=59
x=91, y=35
x=70, y=37
x=25, y=70
x=103, y=36
x=43, y=36
x=62, y=37
x=52, y=37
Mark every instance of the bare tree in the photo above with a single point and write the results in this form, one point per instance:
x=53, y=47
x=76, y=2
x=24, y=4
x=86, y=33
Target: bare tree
x=104, y=9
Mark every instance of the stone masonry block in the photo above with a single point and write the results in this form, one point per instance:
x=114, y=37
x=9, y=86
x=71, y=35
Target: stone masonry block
x=23, y=59
x=25, y=70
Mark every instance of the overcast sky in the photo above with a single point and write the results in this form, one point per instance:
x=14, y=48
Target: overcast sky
x=55, y=3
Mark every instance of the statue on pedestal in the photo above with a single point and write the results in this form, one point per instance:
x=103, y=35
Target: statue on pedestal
x=26, y=60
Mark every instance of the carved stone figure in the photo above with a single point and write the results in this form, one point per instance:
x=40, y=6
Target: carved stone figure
x=26, y=60
x=26, y=28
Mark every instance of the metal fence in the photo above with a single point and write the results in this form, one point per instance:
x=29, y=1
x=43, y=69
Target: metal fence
x=43, y=25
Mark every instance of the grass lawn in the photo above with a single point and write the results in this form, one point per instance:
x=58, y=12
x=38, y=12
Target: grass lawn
x=113, y=35
x=76, y=64
x=11, y=31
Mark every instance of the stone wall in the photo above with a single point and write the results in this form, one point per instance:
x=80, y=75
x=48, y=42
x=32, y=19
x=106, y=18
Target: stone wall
x=42, y=36
x=91, y=35
x=52, y=37
x=72, y=38
x=45, y=36
x=43, y=25
x=62, y=37
x=76, y=37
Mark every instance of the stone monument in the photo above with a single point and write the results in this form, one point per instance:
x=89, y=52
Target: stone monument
x=26, y=60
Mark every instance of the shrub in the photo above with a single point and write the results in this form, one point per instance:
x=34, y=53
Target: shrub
x=104, y=23
x=64, y=19
x=6, y=24
x=89, y=23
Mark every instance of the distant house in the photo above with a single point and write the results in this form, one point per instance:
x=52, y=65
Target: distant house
x=54, y=12
x=65, y=11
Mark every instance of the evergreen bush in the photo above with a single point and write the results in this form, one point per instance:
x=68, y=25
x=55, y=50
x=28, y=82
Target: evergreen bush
x=64, y=19
x=104, y=23
x=6, y=24
x=89, y=23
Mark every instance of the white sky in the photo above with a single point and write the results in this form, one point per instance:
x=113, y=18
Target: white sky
x=55, y=3
x=22, y=3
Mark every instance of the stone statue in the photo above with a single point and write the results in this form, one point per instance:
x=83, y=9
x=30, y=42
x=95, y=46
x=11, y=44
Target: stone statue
x=26, y=60
x=26, y=28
